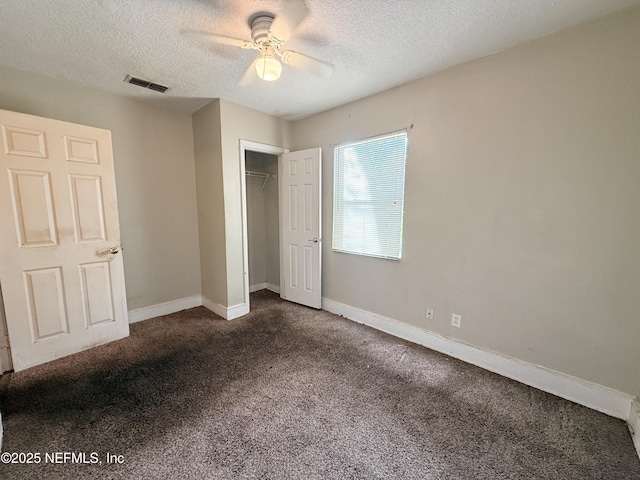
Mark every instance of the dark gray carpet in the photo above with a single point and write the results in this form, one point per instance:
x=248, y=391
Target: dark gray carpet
x=291, y=392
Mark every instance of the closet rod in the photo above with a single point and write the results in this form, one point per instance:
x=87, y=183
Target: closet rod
x=266, y=176
x=251, y=173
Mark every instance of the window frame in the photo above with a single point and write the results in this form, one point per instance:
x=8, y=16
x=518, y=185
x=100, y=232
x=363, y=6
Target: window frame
x=341, y=202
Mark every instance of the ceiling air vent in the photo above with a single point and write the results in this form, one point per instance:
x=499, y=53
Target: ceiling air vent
x=145, y=84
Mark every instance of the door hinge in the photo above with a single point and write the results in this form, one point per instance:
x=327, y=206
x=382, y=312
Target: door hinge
x=4, y=342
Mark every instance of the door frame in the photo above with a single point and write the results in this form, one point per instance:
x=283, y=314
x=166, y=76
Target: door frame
x=248, y=145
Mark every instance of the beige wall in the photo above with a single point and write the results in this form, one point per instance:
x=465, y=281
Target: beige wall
x=208, y=165
x=522, y=202
x=241, y=123
x=153, y=152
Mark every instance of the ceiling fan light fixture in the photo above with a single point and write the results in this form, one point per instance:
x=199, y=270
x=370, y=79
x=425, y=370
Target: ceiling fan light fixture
x=268, y=67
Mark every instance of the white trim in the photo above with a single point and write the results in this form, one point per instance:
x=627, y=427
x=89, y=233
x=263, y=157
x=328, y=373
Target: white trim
x=281, y=223
x=228, y=313
x=273, y=287
x=237, y=311
x=634, y=424
x=254, y=147
x=598, y=397
x=245, y=236
x=214, y=307
x=257, y=287
x=165, y=308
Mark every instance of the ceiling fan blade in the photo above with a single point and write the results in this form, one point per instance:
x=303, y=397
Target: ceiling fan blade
x=249, y=75
x=291, y=15
x=305, y=62
x=211, y=37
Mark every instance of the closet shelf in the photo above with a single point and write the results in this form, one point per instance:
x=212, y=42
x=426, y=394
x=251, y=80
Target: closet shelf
x=266, y=176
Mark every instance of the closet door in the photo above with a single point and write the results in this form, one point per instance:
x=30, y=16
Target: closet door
x=301, y=227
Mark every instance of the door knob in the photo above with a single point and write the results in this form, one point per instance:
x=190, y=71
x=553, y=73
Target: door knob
x=314, y=240
x=111, y=251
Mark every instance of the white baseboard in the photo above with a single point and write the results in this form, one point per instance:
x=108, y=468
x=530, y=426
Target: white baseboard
x=262, y=286
x=237, y=311
x=165, y=308
x=603, y=399
x=257, y=287
x=228, y=313
x=634, y=424
x=214, y=307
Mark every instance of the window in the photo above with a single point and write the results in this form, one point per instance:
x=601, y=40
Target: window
x=368, y=196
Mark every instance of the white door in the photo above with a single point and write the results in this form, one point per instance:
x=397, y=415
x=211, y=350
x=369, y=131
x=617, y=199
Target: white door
x=301, y=190
x=60, y=269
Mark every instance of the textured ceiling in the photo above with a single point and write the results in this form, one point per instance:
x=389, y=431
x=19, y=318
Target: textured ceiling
x=374, y=45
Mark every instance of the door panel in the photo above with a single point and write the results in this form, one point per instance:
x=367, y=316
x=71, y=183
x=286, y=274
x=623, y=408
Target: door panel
x=46, y=302
x=35, y=224
x=84, y=150
x=63, y=291
x=96, y=293
x=86, y=201
x=23, y=142
x=301, y=232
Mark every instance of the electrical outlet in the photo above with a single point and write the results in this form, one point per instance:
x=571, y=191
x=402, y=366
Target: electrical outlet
x=456, y=320
x=429, y=313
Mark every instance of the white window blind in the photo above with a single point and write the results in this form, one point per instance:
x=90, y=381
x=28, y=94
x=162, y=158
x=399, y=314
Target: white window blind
x=368, y=196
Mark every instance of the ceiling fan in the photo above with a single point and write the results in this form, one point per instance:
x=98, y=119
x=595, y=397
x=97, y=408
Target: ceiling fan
x=269, y=33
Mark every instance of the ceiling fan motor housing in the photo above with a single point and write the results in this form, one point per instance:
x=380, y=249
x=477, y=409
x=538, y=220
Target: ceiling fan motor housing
x=260, y=26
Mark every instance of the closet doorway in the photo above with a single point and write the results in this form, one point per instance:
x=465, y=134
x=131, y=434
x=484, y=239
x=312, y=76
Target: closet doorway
x=282, y=222
x=261, y=217
x=261, y=176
